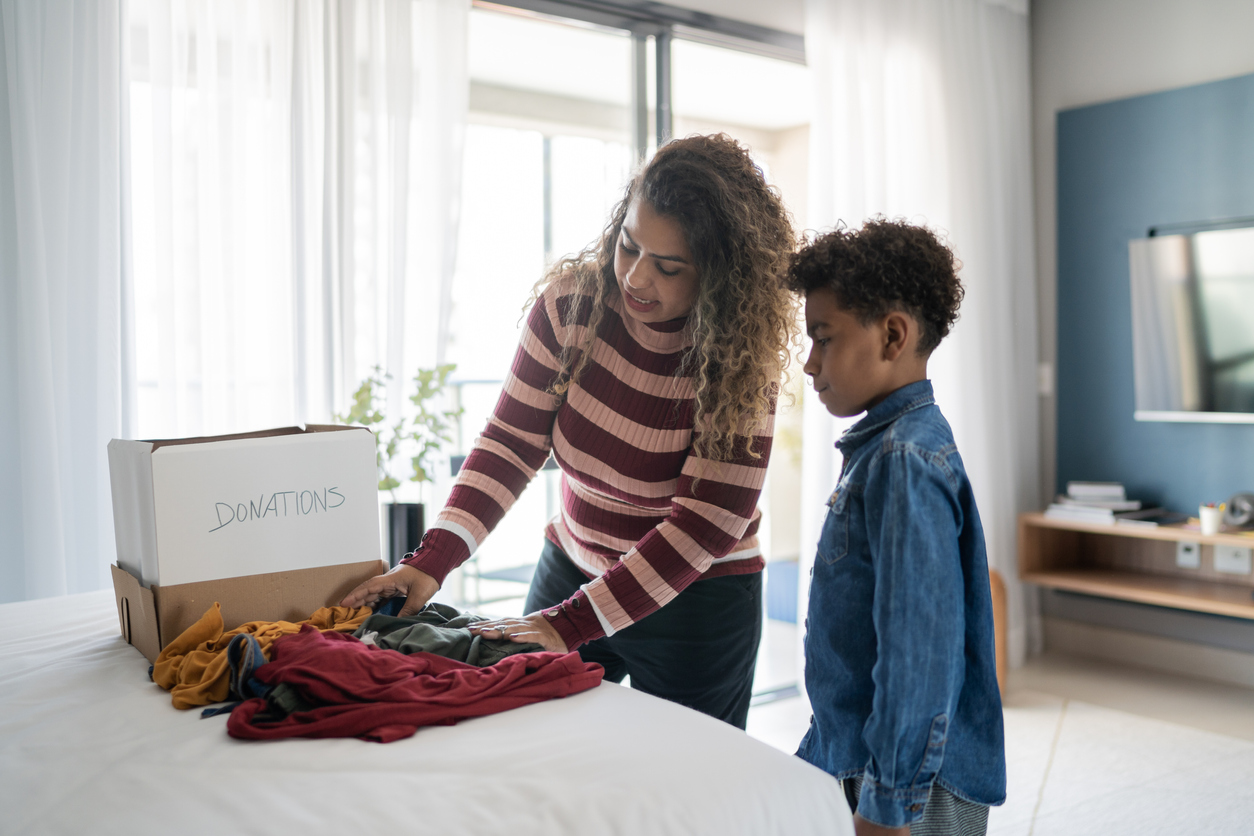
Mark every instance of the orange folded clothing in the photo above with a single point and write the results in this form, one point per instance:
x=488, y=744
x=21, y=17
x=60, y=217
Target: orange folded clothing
x=193, y=667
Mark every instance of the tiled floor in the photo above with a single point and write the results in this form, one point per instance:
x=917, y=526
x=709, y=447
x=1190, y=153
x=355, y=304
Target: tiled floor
x=1092, y=749
x=1079, y=768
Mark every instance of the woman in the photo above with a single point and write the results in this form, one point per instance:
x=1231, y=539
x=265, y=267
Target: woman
x=649, y=367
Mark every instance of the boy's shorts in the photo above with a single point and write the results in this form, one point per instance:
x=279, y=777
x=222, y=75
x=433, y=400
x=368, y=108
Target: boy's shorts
x=945, y=814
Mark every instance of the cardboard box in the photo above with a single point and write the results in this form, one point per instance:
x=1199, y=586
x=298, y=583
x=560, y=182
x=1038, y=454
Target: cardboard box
x=151, y=618
x=272, y=525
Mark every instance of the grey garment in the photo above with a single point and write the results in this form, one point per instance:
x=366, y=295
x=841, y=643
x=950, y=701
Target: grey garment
x=442, y=630
x=944, y=814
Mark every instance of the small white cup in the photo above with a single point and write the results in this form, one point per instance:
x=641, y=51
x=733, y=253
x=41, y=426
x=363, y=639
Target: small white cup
x=1210, y=517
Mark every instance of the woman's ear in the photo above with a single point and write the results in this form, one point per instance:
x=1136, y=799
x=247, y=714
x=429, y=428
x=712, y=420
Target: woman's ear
x=897, y=330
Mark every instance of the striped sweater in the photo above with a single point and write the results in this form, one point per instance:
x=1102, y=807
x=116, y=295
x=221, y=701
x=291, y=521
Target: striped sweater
x=642, y=515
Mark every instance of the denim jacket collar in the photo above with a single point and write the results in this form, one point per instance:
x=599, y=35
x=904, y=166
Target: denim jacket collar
x=907, y=398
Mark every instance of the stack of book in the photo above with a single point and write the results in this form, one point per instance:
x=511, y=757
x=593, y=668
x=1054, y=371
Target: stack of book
x=1095, y=502
x=1107, y=502
x=1150, y=517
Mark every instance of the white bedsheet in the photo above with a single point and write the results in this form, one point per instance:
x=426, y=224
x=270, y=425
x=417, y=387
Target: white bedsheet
x=89, y=745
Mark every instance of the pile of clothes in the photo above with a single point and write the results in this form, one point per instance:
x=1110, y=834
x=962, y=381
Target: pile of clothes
x=356, y=673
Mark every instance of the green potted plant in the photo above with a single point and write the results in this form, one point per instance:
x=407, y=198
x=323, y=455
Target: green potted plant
x=420, y=436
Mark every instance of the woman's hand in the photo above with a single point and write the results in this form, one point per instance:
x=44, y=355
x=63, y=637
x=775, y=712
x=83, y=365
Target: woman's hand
x=417, y=586
x=529, y=628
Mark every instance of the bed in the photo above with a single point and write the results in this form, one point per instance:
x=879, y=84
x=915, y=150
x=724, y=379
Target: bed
x=89, y=745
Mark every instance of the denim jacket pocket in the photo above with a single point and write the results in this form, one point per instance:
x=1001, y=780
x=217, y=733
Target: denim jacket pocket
x=834, y=541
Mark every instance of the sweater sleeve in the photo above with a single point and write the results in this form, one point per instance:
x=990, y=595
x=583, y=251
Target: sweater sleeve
x=711, y=513
x=512, y=447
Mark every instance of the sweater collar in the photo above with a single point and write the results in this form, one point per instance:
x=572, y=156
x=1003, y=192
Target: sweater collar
x=663, y=337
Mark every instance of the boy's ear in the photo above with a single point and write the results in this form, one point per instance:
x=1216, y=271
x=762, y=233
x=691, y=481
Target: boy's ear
x=897, y=330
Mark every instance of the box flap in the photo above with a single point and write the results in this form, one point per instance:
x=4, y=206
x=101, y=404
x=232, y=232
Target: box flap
x=331, y=428
x=158, y=443
x=276, y=596
x=137, y=613
x=134, y=520
x=271, y=433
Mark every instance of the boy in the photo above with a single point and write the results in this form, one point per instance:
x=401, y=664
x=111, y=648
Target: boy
x=900, y=666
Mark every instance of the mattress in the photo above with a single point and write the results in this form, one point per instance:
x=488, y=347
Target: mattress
x=88, y=744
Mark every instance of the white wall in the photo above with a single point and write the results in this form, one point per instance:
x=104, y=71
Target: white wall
x=1089, y=51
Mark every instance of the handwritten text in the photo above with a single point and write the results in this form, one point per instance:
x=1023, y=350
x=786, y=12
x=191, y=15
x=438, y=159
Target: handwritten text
x=278, y=504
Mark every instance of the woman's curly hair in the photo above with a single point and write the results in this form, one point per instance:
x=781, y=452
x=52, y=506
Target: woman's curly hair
x=884, y=266
x=744, y=318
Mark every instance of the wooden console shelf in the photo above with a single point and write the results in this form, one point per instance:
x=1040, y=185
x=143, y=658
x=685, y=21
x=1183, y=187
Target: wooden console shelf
x=1132, y=563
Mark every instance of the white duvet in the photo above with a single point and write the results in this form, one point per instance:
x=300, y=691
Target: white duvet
x=88, y=745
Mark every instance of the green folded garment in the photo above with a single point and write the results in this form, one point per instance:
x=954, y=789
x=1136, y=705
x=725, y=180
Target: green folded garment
x=442, y=630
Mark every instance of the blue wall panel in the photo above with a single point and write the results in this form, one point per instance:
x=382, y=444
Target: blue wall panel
x=1182, y=156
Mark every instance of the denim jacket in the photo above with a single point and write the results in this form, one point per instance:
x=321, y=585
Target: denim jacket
x=900, y=666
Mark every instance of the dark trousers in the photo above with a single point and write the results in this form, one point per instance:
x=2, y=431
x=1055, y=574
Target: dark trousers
x=699, y=650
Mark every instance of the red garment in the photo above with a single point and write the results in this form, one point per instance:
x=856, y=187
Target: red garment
x=376, y=694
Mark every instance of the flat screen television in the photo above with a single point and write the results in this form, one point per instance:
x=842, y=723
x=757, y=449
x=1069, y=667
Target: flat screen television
x=1193, y=325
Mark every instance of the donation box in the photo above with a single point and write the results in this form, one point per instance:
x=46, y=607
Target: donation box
x=268, y=523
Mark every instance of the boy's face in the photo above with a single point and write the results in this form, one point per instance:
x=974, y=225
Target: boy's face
x=847, y=359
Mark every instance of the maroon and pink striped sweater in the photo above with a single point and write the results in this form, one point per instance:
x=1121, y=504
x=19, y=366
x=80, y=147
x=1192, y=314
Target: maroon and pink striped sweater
x=642, y=515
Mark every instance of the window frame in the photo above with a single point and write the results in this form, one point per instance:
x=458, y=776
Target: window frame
x=663, y=23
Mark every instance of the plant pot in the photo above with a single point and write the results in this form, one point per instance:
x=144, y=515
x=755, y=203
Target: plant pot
x=405, y=529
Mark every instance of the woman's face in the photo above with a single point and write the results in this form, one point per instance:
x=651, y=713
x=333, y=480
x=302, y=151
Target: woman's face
x=654, y=267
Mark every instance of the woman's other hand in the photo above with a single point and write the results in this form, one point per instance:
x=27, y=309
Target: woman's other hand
x=417, y=586
x=529, y=628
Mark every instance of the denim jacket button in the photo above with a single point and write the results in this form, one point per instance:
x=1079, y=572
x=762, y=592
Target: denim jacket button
x=914, y=808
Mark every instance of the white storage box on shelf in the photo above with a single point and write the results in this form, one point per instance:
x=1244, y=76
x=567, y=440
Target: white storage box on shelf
x=272, y=525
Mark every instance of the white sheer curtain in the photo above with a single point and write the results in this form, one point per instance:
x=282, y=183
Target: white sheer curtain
x=296, y=179
x=922, y=112
x=292, y=202
x=61, y=274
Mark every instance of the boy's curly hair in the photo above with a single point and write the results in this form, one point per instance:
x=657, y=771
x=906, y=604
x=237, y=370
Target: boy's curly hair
x=884, y=266
x=744, y=318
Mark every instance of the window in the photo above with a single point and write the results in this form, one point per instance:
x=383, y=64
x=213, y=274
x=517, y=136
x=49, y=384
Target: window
x=287, y=235
x=209, y=143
